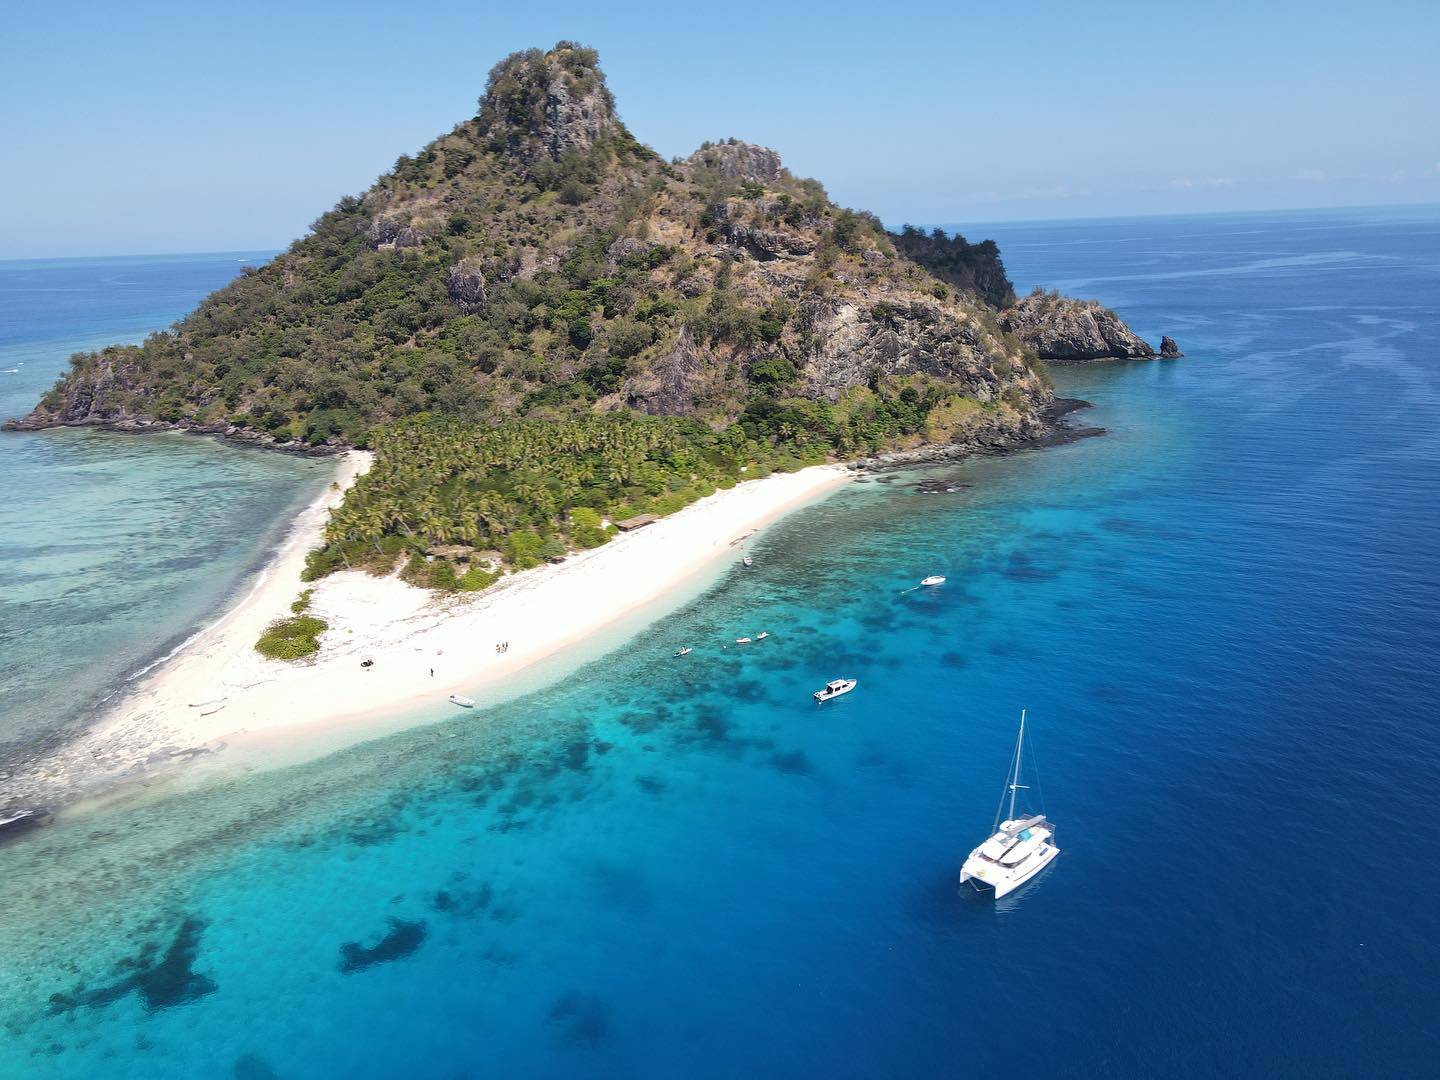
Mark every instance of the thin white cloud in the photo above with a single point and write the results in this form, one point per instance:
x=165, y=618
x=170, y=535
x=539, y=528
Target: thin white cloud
x=1204, y=182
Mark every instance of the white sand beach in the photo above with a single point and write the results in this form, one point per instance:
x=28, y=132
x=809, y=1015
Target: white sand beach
x=217, y=690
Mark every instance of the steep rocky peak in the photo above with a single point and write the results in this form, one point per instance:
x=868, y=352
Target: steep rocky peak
x=738, y=160
x=540, y=103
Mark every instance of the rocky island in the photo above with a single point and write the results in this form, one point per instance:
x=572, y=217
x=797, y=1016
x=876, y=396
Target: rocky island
x=534, y=328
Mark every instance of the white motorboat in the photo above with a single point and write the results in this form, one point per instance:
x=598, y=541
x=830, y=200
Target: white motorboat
x=684, y=652
x=463, y=702
x=742, y=641
x=762, y=635
x=834, y=688
x=1021, y=845
x=934, y=579
x=749, y=561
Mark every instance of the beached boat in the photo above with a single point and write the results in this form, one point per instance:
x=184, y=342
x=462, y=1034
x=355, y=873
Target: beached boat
x=684, y=652
x=15, y=822
x=463, y=702
x=1020, y=846
x=934, y=579
x=834, y=688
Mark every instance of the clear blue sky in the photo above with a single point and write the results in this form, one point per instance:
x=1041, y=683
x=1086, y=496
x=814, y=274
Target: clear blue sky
x=155, y=127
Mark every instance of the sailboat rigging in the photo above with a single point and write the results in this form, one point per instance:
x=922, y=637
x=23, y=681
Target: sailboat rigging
x=1019, y=847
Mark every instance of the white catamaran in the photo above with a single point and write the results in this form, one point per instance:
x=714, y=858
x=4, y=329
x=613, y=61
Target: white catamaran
x=1021, y=846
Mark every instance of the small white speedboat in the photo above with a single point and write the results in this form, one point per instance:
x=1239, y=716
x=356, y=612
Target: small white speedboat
x=742, y=641
x=749, y=561
x=934, y=579
x=684, y=652
x=463, y=702
x=762, y=635
x=834, y=688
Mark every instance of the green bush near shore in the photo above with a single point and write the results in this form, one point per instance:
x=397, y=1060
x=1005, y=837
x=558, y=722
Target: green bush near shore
x=292, y=639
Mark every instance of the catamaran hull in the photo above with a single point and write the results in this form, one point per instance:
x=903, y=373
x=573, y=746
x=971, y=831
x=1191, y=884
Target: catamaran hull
x=1004, y=884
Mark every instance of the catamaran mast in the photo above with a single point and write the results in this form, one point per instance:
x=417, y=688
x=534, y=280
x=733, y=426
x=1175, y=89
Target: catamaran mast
x=1019, y=750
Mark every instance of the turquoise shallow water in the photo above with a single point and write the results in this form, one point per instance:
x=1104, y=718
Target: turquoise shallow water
x=1222, y=616
x=113, y=547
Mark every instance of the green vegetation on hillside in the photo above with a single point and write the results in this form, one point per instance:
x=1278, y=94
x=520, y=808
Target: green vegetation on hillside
x=973, y=268
x=530, y=490
x=539, y=325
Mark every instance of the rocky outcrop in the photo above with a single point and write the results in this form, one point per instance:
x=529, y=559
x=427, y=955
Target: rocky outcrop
x=759, y=241
x=465, y=283
x=854, y=345
x=541, y=104
x=1168, y=349
x=741, y=161
x=1063, y=330
x=389, y=232
x=625, y=249
x=672, y=382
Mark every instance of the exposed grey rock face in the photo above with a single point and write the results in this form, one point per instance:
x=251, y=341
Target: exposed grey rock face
x=853, y=345
x=547, y=104
x=670, y=386
x=1064, y=330
x=386, y=231
x=764, y=244
x=465, y=283
x=739, y=160
x=1168, y=349
x=626, y=247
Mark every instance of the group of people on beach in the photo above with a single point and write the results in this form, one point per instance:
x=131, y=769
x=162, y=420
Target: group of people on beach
x=502, y=646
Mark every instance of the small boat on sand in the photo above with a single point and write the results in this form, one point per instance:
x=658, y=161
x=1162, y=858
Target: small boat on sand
x=934, y=579
x=742, y=641
x=762, y=635
x=463, y=702
x=684, y=652
x=15, y=822
x=834, y=688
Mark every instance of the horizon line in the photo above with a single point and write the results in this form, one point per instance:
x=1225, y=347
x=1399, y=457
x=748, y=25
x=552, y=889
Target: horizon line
x=951, y=225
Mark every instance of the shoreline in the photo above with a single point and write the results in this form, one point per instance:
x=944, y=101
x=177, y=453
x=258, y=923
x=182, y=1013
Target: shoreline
x=214, y=693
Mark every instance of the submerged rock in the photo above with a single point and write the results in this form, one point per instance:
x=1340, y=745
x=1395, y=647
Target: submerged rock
x=402, y=940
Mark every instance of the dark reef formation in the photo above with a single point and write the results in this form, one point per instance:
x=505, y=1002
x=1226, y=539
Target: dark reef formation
x=163, y=980
x=402, y=939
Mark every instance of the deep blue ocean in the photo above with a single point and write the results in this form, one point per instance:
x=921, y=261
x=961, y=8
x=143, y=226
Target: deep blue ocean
x=1223, y=617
